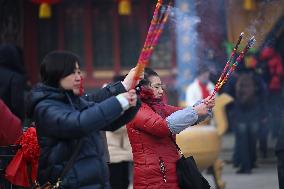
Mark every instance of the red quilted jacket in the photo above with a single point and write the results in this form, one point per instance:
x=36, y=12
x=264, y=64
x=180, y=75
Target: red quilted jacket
x=10, y=126
x=149, y=136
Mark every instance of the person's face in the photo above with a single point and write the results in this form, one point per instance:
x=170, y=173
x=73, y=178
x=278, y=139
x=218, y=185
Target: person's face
x=156, y=86
x=72, y=81
x=204, y=77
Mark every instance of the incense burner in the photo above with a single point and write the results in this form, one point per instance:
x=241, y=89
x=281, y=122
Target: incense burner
x=203, y=141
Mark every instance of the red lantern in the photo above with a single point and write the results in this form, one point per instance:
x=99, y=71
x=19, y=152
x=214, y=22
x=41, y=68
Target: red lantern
x=45, y=9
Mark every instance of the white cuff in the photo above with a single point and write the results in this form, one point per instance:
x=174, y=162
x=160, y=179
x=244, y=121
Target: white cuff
x=124, y=85
x=123, y=102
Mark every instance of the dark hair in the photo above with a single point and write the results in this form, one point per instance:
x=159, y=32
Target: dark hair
x=148, y=72
x=57, y=65
x=202, y=69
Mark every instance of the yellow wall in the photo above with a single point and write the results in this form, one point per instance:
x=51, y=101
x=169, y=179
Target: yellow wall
x=256, y=22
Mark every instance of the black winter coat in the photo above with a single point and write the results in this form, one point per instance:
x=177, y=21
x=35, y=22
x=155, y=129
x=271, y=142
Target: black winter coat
x=12, y=83
x=62, y=120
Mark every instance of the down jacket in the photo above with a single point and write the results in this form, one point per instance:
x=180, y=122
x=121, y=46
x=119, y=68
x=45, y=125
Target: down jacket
x=10, y=126
x=151, y=144
x=62, y=120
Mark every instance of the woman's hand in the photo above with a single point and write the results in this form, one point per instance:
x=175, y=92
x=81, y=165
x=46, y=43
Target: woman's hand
x=203, y=108
x=209, y=102
x=127, y=82
x=131, y=97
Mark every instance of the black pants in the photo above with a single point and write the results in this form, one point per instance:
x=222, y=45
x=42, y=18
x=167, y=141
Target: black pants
x=119, y=175
x=280, y=169
x=245, y=145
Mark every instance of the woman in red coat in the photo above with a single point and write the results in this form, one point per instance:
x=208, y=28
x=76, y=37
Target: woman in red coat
x=10, y=126
x=154, y=153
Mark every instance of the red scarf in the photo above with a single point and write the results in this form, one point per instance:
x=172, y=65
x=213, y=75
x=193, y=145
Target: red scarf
x=157, y=104
x=204, y=90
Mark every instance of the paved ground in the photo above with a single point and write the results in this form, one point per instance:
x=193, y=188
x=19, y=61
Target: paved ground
x=263, y=177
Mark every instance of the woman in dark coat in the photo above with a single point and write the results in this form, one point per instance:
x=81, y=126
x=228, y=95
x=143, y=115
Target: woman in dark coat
x=63, y=118
x=12, y=83
x=150, y=132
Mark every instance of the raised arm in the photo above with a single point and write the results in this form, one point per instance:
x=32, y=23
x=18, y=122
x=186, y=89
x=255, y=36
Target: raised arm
x=112, y=89
x=192, y=115
x=124, y=119
x=58, y=120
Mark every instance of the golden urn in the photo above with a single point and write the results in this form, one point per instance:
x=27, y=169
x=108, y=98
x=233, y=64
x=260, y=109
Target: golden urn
x=203, y=141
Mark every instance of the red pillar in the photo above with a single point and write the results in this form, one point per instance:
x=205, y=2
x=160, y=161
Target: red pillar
x=30, y=43
x=88, y=40
x=60, y=27
x=116, y=41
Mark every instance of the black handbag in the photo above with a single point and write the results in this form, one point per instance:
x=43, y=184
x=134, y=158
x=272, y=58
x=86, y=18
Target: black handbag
x=189, y=177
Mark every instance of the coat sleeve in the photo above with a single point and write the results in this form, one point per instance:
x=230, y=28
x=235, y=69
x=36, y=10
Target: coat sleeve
x=124, y=119
x=181, y=119
x=10, y=127
x=106, y=92
x=62, y=121
x=150, y=122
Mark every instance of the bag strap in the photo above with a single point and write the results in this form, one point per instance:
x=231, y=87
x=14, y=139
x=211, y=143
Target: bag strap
x=177, y=147
x=69, y=163
x=66, y=168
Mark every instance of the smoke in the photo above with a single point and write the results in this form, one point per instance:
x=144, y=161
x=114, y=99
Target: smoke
x=262, y=18
x=178, y=20
x=177, y=16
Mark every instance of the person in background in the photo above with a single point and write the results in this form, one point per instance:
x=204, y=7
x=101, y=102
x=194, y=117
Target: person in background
x=10, y=127
x=273, y=73
x=63, y=119
x=120, y=154
x=10, y=131
x=12, y=87
x=279, y=151
x=152, y=131
x=200, y=88
x=13, y=80
x=247, y=118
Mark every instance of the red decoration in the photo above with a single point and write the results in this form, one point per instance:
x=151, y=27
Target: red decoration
x=17, y=170
x=275, y=68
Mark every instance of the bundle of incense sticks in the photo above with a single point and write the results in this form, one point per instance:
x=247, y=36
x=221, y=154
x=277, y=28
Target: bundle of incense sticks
x=230, y=66
x=158, y=21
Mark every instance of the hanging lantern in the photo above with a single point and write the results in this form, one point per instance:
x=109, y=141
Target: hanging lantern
x=45, y=8
x=249, y=5
x=124, y=7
